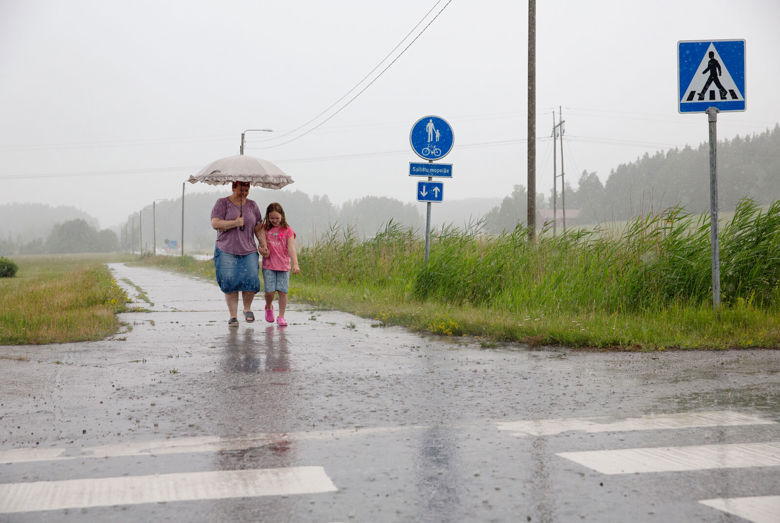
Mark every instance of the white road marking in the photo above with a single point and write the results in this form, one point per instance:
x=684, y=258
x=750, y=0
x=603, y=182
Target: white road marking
x=675, y=459
x=132, y=490
x=759, y=509
x=185, y=445
x=682, y=420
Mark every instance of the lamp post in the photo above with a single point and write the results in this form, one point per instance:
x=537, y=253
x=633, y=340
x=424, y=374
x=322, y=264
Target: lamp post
x=182, y=218
x=241, y=150
x=140, y=233
x=154, y=225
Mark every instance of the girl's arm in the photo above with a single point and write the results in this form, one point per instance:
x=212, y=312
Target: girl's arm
x=293, y=254
x=262, y=245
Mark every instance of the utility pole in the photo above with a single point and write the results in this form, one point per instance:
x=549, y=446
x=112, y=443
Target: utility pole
x=182, y=218
x=555, y=175
x=154, y=228
x=140, y=233
x=561, y=121
x=532, y=120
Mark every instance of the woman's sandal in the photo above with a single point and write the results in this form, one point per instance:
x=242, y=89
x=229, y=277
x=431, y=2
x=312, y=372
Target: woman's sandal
x=249, y=316
x=233, y=322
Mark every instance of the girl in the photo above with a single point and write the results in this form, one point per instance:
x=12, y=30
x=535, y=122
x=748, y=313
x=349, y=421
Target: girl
x=280, y=239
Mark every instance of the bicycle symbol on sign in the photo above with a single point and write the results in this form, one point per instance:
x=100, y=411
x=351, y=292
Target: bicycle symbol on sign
x=428, y=151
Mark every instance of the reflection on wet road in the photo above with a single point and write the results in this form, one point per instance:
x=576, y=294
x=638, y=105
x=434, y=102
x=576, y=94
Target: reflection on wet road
x=247, y=351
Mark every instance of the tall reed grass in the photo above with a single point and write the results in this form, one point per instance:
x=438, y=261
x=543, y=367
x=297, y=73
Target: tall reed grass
x=656, y=262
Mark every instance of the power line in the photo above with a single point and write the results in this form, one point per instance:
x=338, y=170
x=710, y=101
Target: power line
x=616, y=141
x=278, y=137
x=347, y=156
x=377, y=77
x=112, y=143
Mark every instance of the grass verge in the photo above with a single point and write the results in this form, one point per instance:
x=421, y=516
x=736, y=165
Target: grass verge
x=59, y=299
x=679, y=327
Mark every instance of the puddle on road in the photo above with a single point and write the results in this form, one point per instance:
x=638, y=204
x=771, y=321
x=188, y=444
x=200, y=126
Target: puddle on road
x=736, y=399
x=255, y=351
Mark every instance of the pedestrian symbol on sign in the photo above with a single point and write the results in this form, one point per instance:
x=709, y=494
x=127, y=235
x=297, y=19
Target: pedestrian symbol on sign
x=713, y=67
x=711, y=74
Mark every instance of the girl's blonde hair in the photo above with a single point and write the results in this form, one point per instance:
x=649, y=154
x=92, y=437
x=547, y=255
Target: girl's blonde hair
x=274, y=207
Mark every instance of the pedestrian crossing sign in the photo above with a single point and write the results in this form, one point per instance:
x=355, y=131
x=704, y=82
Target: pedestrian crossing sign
x=711, y=73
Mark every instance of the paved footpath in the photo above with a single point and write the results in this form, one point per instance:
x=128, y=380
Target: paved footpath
x=338, y=418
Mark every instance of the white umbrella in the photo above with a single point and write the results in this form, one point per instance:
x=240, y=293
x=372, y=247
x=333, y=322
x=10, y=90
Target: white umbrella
x=240, y=168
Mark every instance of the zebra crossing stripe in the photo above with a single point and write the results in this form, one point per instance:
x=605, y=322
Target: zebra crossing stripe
x=677, y=459
x=684, y=420
x=186, y=445
x=132, y=490
x=758, y=509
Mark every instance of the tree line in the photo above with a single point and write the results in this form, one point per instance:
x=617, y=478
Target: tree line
x=309, y=216
x=72, y=236
x=747, y=167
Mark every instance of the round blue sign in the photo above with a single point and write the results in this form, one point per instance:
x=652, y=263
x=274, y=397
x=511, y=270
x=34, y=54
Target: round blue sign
x=431, y=138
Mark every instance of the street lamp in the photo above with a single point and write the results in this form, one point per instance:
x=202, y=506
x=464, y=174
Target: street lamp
x=154, y=225
x=241, y=150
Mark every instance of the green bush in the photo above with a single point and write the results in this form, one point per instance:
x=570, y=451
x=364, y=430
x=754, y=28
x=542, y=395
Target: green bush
x=7, y=268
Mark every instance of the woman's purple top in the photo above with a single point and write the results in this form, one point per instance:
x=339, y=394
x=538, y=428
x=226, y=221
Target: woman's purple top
x=235, y=241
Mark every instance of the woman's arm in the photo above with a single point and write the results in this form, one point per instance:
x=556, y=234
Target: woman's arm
x=223, y=225
x=293, y=254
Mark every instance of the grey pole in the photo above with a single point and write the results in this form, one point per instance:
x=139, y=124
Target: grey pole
x=555, y=176
x=154, y=228
x=182, y=217
x=241, y=149
x=140, y=233
x=712, y=117
x=428, y=225
x=563, y=171
x=531, y=120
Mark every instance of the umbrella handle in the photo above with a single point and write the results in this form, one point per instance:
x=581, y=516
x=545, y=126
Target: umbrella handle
x=241, y=214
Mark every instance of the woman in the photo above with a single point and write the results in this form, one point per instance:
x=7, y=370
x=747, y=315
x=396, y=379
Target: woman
x=236, y=260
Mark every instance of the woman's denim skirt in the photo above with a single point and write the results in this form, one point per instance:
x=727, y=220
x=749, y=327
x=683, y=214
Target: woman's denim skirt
x=237, y=272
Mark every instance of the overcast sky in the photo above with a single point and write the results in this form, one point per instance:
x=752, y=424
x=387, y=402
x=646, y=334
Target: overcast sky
x=107, y=105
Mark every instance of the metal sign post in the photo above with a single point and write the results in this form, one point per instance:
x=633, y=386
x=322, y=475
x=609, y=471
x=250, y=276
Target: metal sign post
x=431, y=139
x=712, y=117
x=427, y=227
x=711, y=79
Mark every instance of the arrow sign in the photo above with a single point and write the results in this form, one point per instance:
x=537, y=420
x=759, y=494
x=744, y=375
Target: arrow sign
x=430, y=192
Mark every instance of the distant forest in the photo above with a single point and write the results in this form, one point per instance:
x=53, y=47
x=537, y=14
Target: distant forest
x=747, y=167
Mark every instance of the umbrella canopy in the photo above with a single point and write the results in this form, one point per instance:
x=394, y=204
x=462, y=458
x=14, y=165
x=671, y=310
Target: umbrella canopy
x=242, y=168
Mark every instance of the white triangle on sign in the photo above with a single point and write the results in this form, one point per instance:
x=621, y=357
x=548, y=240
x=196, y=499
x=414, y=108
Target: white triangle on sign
x=730, y=91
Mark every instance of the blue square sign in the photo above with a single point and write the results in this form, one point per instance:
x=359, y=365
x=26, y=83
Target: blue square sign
x=711, y=73
x=430, y=192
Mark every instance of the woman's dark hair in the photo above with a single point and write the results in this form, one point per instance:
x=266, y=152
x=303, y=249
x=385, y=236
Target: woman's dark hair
x=275, y=207
x=236, y=184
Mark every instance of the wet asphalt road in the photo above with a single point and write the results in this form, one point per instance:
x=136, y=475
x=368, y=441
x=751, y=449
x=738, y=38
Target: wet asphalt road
x=380, y=423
